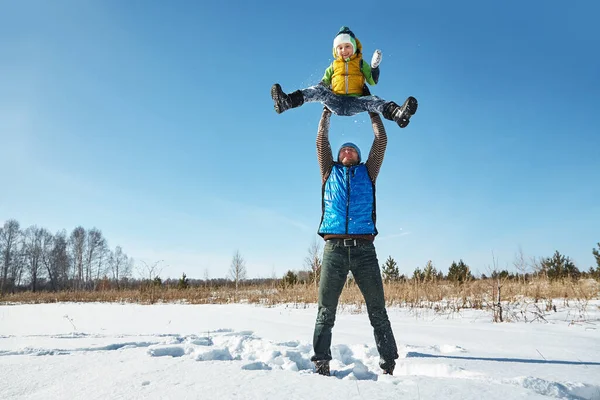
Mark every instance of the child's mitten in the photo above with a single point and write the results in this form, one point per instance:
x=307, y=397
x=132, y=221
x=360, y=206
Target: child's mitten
x=376, y=59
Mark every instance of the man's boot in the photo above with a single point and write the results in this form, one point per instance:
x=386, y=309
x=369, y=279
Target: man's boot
x=387, y=366
x=284, y=102
x=322, y=367
x=400, y=114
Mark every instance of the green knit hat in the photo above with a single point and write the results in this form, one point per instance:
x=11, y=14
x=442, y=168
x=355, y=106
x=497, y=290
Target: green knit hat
x=345, y=35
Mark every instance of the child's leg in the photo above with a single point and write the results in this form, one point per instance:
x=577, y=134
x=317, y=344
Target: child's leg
x=351, y=105
x=283, y=101
x=400, y=114
x=322, y=94
x=356, y=105
x=390, y=110
x=343, y=105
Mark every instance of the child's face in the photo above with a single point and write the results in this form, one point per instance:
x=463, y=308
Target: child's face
x=345, y=50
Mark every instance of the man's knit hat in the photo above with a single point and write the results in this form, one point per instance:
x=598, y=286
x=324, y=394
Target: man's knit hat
x=345, y=35
x=350, y=144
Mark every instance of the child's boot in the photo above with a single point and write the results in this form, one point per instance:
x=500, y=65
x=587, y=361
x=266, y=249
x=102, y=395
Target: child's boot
x=284, y=102
x=400, y=114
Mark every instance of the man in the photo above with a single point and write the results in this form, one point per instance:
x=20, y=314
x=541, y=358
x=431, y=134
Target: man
x=348, y=227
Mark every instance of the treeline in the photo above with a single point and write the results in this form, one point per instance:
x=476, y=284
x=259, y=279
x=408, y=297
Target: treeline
x=556, y=267
x=36, y=259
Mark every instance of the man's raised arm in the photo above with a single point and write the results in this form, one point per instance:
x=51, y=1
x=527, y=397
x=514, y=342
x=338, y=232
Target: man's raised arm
x=324, y=154
x=378, y=148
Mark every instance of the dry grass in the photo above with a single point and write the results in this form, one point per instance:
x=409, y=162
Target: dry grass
x=476, y=294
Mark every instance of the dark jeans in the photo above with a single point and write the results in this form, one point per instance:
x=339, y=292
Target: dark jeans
x=362, y=261
x=343, y=105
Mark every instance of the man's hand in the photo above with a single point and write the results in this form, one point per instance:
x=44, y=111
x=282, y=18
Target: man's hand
x=376, y=59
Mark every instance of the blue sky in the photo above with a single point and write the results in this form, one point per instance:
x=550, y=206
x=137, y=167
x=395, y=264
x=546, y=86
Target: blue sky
x=152, y=121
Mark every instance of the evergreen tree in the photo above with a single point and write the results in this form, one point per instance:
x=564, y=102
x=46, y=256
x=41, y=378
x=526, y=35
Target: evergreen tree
x=390, y=270
x=439, y=276
x=504, y=274
x=418, y=275
x=290, y=278
x=595, y=272
x=459, y=272
x=430, y=273
x=184, y=282
x=559, y=266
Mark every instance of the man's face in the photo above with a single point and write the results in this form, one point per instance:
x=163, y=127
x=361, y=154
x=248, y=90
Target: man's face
x=345, y=50
x=348, y=156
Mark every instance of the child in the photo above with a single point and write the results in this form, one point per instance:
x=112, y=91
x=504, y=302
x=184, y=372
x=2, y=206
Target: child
x=342, y=88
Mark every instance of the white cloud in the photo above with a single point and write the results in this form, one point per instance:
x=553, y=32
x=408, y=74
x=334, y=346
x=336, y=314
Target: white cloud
x=393, y=235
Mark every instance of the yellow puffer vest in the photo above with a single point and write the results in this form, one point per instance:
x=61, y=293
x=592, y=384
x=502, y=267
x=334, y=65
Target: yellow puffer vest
x=347, y=77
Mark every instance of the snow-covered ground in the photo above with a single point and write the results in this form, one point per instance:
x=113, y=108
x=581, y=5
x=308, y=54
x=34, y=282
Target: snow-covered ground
x=237, y=351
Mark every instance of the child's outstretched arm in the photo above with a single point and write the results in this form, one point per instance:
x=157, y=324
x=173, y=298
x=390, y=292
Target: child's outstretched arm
x=371, y=77
x=371, y=72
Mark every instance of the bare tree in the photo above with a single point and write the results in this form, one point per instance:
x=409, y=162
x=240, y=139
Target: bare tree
x=77, y=250
x=206, y=277
x=154, y=284
x=46, y=243
x=313, y=262
x=102, y=259
x=59, y=263
x=538, y=268
x=95, y=249
x=520, y=264
x=33, y=253
x=237, y=271
x=17, y=268
x=9, y=237
x=152, y=271
x=120, y=265
x=496, y=282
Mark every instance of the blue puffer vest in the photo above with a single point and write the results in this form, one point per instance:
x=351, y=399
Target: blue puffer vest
x=348, y=202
